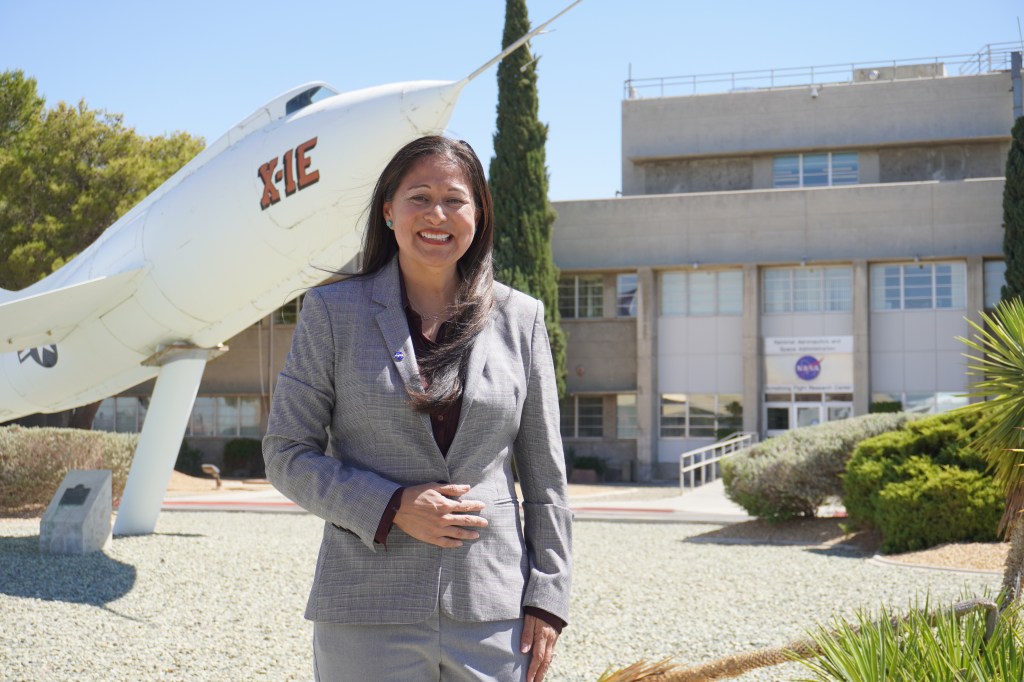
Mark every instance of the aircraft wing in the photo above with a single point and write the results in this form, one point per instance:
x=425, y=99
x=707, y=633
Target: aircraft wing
x=47, y=317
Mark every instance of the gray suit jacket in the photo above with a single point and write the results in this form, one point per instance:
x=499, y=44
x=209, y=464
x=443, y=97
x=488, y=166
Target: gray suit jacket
x=341, y=439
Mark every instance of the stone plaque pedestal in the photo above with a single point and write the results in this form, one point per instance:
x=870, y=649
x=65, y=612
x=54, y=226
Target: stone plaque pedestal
x=78, y=520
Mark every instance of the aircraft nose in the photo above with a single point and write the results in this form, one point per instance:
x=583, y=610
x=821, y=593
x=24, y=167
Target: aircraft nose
x=428, y=106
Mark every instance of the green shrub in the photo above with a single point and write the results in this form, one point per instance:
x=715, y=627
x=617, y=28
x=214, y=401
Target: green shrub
x=244, y=455
x=882, y=406
x=795, y=473
x=190, y=459
x=590, y=463
x=937, y=504
x=570, y=458
x=34, y=460
x=878, y=462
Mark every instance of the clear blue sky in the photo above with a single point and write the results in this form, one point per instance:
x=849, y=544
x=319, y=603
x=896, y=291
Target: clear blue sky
x=203, y=66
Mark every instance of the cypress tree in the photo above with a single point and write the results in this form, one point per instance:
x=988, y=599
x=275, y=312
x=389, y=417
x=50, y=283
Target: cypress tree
x=1013, y=214
x=519, y=183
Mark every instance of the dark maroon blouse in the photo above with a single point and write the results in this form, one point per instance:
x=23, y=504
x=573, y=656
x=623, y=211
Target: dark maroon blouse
x=444, y=426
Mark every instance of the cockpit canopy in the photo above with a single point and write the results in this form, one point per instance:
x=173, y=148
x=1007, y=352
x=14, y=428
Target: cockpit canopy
x=307, y=97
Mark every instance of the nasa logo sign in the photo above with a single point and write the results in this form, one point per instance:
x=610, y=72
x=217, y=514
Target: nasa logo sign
x=808, y=368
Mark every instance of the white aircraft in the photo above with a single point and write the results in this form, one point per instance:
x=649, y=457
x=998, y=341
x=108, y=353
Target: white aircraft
x=229, y=238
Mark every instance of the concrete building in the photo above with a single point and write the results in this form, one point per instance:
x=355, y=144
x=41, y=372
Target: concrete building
x=783, y=254
x=797, y=249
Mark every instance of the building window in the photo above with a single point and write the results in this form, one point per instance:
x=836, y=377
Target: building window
x=123, y=414
x=625, y=295
x=673, y=415
x=995, y=278
x=225, y=416
x=249, y=417
x=582, y=416
x=702, y=416
x=696, y=415
x=625, y=415
x=823, y=169
x=808, y=290
x=289, y=312
x=919, y=402
x=581, y=296
x=702, y=293
x=919, y=286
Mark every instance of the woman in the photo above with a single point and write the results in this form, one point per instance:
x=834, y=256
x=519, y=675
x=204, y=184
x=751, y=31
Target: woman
x=406, y=395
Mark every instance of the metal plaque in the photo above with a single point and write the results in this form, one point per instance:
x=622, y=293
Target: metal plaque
x=75, y=496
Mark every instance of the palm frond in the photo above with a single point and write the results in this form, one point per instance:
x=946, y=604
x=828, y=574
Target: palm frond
x=997, y=364
x=640, y=671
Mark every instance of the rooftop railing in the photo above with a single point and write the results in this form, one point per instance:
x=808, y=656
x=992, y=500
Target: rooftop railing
x=991, y=58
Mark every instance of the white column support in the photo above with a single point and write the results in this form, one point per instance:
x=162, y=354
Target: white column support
x=181, y=370
x=753, y=351
x=647, y=399
x=861, y=337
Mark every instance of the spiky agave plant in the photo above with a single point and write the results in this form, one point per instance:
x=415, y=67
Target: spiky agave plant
x=970, y=644
x=997, y=365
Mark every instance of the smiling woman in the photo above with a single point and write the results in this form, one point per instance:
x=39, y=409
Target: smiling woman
x=407, y=393
x=433, y=216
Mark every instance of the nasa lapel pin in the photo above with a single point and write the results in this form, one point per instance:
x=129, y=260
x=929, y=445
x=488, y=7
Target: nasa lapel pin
x=399, y=356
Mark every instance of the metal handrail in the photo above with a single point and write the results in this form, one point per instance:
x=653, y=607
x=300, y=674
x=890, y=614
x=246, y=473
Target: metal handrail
x=706, y=460
x=990, y=58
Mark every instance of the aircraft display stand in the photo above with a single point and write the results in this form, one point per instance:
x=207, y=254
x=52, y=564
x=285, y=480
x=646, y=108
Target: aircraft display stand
x=181, y=370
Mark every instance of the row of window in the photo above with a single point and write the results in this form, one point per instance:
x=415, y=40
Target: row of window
x=808, y=290
x=230, y=416
x=823, y=169
x=688, y=415
x=923, y=403
x=691, y=415
x=694, y=415
x=907, y=286
x=581, y=296
x=700, y=293
x=583, y=416
x=920, y=286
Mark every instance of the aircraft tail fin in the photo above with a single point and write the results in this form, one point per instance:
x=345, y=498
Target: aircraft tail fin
x=30, y=321
x=516, y=45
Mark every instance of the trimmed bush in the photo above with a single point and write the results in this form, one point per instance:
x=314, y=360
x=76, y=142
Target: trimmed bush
x=795, y=473
x=591, y=463
x=244, y=455
x=937, y=504
x=190, y=460
x=34, y=460
x=879, y=461
x=885, y=406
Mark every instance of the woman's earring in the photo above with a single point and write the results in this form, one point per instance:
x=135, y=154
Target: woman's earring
x=388, y=223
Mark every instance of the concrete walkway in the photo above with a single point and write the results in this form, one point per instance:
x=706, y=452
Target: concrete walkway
x=622, y=502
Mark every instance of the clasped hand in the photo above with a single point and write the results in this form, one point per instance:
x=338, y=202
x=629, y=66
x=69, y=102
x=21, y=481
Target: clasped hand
x=432, y=513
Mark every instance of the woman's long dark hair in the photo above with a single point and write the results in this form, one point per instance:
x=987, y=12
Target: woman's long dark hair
x=445, y=368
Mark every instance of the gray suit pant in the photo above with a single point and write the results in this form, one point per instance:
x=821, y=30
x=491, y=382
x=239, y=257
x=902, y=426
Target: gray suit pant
x=439, y=649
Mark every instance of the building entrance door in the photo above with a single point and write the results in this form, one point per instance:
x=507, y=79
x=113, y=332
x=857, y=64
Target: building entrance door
x=799, y=412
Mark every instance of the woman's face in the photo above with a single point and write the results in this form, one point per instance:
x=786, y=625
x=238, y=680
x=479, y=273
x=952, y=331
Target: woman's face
x=433, y=215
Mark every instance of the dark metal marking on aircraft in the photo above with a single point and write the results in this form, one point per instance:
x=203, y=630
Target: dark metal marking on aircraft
x=45, y=356
x=295, y=173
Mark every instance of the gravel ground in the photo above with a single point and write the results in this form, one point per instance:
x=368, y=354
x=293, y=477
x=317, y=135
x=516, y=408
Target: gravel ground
x=219, y=596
